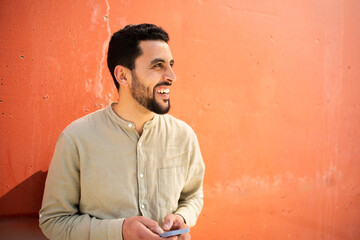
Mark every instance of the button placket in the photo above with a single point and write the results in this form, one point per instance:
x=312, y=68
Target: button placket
x=141, y=180
x=141, y=171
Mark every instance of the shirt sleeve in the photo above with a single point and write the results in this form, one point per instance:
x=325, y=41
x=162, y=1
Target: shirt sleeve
x=59, y=215
x=192, y=197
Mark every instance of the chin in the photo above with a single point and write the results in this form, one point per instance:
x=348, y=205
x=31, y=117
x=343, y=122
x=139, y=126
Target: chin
x=159, y=107
x=163, y=110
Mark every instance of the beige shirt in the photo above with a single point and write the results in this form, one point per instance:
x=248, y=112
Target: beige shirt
x=102, y=172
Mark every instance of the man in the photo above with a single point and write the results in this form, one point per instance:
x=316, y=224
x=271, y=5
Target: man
x=125, y=170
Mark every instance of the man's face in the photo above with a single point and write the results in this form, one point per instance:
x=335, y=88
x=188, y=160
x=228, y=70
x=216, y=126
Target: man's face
x=153, y=76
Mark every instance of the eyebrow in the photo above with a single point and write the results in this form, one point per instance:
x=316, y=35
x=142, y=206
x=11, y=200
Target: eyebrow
x=156, y=60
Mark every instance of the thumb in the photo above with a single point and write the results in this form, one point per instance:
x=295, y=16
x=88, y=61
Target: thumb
x=168, y=222
x=152, y=225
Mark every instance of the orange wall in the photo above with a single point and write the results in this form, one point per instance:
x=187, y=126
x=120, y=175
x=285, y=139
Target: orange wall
x=272, y=89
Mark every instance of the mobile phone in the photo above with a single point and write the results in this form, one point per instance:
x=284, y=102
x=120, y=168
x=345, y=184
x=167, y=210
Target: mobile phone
x=174, y=233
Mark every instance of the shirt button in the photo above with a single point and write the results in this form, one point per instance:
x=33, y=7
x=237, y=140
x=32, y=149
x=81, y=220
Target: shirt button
x=142, y=206
x=140, y=144
x=130, y=125
x=141, y=175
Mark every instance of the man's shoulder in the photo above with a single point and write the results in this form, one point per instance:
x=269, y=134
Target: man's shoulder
x=175, y=123
x=83, y=124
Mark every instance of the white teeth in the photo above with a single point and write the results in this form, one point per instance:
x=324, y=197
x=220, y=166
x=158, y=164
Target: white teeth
x=163, y=91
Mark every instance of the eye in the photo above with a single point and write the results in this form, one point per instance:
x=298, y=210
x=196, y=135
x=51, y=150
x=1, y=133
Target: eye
x=158, y=65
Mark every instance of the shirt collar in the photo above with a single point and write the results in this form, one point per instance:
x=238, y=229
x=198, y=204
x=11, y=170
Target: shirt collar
x=124, y=123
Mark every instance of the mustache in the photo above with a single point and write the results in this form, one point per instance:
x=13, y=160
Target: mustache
x=162, y=84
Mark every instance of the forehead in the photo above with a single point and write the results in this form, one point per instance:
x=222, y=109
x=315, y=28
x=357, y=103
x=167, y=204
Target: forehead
x=154, y=49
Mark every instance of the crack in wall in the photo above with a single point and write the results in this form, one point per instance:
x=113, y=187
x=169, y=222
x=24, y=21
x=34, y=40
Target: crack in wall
x=104, y=48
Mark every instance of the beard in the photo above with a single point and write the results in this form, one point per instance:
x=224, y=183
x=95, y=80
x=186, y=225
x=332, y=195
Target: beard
x=146, y=97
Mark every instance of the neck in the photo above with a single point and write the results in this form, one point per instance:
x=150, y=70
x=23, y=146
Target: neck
x=130, y=110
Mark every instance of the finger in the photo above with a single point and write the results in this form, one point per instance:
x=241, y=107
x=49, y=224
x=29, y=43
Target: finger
x=151, y=224
x=184, y=236
x=168, y=222
x=172, y=238
x=149, y=235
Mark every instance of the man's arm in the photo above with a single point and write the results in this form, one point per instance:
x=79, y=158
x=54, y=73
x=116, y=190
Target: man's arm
x=59, y=215
x=191, y=198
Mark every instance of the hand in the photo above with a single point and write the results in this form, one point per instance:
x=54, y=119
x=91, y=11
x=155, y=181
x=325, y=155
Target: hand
x=175, y=222
x=139, y=227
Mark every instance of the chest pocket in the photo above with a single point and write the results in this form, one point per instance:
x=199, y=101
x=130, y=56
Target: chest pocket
x=170, y=184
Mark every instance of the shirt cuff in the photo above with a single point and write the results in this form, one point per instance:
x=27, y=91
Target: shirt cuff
x=115, y=229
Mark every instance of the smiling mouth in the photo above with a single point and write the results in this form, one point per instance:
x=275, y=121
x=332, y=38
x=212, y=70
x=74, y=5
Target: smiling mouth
x=163, y=93
x=163, y=90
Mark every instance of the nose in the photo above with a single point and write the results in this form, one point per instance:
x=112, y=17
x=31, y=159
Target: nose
x=170, y=75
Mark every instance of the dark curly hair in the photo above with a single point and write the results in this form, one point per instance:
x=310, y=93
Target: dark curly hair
x=124, y=45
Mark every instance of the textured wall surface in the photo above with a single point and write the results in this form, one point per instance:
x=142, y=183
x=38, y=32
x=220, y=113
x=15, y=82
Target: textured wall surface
x=272, y=89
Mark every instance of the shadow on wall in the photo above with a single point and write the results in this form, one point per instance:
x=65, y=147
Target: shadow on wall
x=19, y=209
x=25, y=198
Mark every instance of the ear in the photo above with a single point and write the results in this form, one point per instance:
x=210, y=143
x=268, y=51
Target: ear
x=121, y=73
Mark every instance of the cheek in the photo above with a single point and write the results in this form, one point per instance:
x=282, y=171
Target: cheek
x=152, y=80
x=149, y=79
